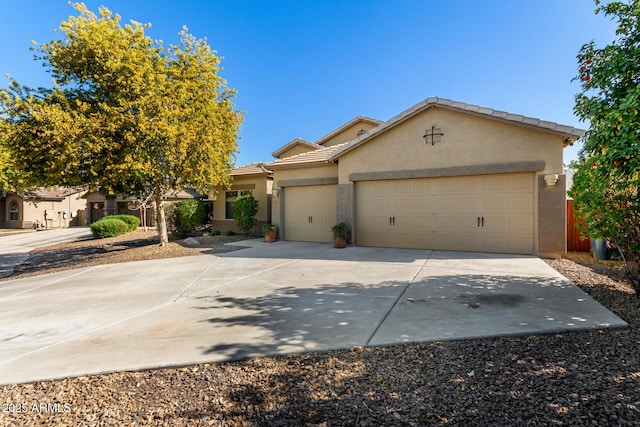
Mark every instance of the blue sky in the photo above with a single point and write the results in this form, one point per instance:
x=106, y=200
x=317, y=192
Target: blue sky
x=303, y=68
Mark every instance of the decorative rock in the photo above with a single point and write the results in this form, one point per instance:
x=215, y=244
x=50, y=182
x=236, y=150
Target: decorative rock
x=191, y=242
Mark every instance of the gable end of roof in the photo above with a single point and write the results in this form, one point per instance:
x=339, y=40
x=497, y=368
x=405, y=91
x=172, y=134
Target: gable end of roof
x=347, y=125
x=293, y=143
x=569, y=132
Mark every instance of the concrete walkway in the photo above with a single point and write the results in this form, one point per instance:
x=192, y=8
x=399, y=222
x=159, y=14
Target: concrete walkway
x=15, y=248
x=271, y=299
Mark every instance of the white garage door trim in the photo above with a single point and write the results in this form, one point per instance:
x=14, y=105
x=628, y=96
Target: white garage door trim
x=487, y=213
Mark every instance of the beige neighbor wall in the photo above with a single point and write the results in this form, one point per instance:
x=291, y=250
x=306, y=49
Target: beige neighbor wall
x=260, y=188
x=349, y=133
x=59, y=214
x=471, y=144
x=20, y=222
x=303, y=175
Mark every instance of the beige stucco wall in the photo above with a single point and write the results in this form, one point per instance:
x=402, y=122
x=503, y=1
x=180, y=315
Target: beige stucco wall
x=349, y=133
x=260, y=187
x=296, y=149
x=328, y=170
x=16, y=223
x=468, y=140
x=34, y=211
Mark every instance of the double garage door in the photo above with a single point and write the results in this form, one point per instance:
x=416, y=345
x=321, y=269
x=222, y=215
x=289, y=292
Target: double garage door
x=492, y=213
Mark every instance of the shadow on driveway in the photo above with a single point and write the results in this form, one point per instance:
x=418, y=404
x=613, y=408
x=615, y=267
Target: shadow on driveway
x=432, y=308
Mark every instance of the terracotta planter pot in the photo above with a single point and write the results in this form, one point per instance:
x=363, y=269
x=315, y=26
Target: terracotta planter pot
x=339, y=243
x=270, y=237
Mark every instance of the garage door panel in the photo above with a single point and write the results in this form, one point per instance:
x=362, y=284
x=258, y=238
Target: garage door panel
x=475, y=213
x=457, y=203
x=309, y=213
x=520, y=244
x=458, y=185
x=455, y=223
x=521, y=202
x=521, y=182
x=450, y=241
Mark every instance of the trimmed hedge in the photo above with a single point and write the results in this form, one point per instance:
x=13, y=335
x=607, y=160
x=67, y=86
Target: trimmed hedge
x=132, y=221
x=108, y=227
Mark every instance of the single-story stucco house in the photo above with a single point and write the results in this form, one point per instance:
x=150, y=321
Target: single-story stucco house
x=101, y=204
x=253, y=179
x=441, y=175
x=43, y=208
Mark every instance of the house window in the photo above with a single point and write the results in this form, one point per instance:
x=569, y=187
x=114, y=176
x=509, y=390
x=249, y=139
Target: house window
x=14, y=211
x=230, y=197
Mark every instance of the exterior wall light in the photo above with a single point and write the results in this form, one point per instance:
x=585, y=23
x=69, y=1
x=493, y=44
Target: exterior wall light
x=551, y=179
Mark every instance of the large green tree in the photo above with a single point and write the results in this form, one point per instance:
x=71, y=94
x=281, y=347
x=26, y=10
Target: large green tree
x=125, y=114
x=607, y=181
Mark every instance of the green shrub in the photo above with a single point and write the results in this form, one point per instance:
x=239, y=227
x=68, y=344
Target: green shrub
x=215, y=232
x=108, y=227
x=245, y=209
x=186, y=216
x=230, y=233
x=132, y=221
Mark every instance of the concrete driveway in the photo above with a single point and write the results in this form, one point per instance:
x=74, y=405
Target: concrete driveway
x=275, y=298
x=15, y=248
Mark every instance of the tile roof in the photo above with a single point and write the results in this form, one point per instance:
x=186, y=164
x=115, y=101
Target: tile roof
x=311, y=158
x=250, y=169
x=291, y=144
x=567, y=131
x=346, y=126
x=56, y=193
x=186, y=193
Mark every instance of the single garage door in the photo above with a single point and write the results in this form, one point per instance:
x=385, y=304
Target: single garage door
x=309, y=213
x=492, y=213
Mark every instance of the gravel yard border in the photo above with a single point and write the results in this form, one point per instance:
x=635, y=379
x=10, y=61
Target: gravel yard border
x=583, y=378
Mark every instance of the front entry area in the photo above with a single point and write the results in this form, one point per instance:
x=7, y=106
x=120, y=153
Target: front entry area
x=487, y=213
x=310, y=212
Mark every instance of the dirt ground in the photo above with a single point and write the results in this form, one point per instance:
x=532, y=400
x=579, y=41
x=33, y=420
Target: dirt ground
x=136, y=246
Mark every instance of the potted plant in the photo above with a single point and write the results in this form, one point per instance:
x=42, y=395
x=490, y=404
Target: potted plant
x=269, y=231
x=340, y=235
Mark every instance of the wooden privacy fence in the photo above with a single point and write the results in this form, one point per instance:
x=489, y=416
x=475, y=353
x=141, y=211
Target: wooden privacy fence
x=574, y=240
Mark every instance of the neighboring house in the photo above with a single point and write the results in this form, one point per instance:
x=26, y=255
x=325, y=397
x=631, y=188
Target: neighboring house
x=43, y=208
x=440, y=175
x=253, y=179
x=100, y=204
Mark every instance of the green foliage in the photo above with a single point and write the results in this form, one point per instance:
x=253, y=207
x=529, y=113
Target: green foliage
x=341, y=231
x=125, y=113
x=133, y=222
x=186, y=216
x=230, y=233
x=266, y=228
x=108, y=227
x=215, y=232
x=245, y=209
x=607, y=180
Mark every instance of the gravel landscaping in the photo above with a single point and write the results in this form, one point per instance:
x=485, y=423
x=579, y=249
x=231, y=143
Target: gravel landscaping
x=589, y=378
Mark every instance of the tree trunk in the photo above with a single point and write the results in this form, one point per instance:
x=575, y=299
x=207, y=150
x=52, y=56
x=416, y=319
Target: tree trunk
x=161, y=218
